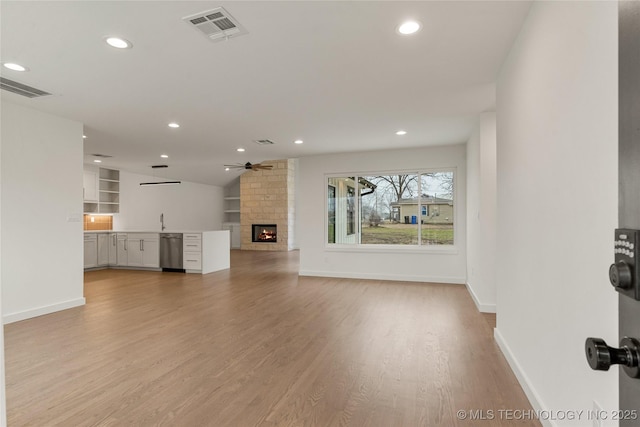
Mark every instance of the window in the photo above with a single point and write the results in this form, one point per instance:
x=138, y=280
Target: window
x=331, y=211
x=404, y=208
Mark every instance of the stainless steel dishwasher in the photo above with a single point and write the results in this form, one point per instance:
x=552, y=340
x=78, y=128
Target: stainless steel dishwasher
x=171, y=251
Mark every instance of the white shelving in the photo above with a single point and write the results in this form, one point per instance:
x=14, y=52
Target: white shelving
x=108, y=193
x=232, y=208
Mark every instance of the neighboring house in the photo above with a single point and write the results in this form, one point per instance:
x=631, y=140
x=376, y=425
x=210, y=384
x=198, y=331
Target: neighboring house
x=432, y=210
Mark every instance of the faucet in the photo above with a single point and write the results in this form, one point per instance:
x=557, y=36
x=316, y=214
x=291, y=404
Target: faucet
x=162, y=221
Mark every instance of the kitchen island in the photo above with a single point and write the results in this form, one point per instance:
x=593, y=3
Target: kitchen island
x=202, y=251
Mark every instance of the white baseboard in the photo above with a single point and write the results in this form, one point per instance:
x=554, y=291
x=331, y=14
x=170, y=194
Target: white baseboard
x=394, y=277
x=521, y=376
x=40, y=311
x=482, y=308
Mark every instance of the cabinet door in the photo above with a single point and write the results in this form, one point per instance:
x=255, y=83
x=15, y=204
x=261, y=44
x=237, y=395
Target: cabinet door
x=90, y=253
x=113, y=249
x=90, y=185
x=122, y=250
x=103, y=249
x=235, y=237
x=151, y=253
x=134, y=252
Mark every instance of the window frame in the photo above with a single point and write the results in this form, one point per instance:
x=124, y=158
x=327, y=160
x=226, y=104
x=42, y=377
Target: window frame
x=358, y=246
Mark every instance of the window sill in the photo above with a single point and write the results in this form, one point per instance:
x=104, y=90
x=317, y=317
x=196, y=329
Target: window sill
x=394, y=249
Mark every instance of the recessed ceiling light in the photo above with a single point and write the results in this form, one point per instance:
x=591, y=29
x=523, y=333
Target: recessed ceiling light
x=174, y=125
x=164, y=156
x=15, y=67
x=118, y=43
x=401, y=132
x=97, y=161
x=241, y=150
x=409, y=27
x=298, y=141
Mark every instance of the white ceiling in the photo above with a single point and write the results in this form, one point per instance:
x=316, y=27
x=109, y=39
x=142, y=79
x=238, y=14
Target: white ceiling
x=335, y=74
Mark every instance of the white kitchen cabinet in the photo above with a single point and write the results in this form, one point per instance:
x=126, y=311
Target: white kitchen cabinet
x=90, y=251
x=113, y=249
x=143, y=250
x=122, y=246
x=103, y=249
x=192, y=251
x=151, y=253
x=90, y=186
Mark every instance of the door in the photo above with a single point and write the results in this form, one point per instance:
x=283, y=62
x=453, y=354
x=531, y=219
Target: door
x=90, y=186
x=103, y=249
x=625, y=272
x=113, y=249
x=122, y=250
x=629, y=170
x=90, y=251
x=134, y=251
x=150, y=253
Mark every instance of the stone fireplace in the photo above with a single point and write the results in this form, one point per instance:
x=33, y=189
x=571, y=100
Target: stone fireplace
x=267, y=207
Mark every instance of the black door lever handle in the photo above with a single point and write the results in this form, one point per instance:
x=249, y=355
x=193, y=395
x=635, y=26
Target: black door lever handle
x=600, y=356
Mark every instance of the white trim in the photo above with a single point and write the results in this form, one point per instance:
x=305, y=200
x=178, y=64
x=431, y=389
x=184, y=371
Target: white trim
x=521, y=376
x=392, y=249
x=40, y=311
x=355, y=275
x=482, y=308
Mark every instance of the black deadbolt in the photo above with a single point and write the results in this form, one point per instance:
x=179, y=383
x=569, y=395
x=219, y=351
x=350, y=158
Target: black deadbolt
x=620, y=275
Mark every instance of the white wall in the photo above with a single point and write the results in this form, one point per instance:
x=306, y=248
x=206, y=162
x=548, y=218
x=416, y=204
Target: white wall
x=557, y=202
x=188, y=206
x=42, y=246
x=3, y=399
x=481, y=214
x=438, y=265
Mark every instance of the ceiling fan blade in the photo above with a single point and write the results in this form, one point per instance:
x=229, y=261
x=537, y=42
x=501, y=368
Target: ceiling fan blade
x=259, y=166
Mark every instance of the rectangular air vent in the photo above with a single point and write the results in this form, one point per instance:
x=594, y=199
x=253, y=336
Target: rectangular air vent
x=217, y=24
x=263, y=142
x=21, y=89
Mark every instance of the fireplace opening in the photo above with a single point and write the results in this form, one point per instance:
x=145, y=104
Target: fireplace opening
x=264, y=233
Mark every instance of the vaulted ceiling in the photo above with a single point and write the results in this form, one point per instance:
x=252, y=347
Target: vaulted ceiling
x=336, y=75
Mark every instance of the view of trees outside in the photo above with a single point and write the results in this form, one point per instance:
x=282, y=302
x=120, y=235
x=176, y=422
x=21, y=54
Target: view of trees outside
x=398, y=208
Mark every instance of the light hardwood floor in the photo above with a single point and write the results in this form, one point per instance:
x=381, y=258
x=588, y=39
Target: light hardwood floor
x=258, y=345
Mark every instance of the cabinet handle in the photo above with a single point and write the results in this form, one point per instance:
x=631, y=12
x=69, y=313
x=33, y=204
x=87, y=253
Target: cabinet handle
x=114, y=240
x=125, y=244
x=141, y=245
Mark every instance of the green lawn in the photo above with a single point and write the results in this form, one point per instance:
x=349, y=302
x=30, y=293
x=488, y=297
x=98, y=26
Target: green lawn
x=402, y=234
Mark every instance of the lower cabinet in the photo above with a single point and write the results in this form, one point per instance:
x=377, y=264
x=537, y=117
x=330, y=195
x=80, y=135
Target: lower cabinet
x=90, y=251
x=103, y=250
x=113, y=249
x=192, y=251
x=143, y=250
x=122, y=257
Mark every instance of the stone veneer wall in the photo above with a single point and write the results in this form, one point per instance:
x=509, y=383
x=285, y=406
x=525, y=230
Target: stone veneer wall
x=268, y=197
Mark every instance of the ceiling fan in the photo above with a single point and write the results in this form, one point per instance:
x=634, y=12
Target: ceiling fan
x=249, y=166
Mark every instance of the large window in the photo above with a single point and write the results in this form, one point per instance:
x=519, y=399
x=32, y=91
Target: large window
x=406, y=208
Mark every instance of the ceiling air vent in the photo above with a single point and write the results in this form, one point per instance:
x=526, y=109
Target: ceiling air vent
x=263, y=142
x=20, y=89
x=216, y=24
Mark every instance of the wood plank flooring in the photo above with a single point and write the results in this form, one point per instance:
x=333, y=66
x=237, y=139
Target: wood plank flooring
x=258, y=346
